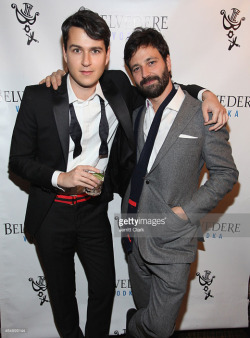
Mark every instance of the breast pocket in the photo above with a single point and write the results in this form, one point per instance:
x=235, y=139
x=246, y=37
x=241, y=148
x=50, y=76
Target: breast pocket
x=188, y=145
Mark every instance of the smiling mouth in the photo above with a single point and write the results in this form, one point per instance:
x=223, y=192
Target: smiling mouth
x=149, y=81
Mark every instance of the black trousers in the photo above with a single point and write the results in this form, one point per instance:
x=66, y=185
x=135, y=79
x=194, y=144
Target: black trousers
x=84, y=229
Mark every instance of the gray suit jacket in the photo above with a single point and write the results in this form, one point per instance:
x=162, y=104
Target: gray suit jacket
x=173, y=180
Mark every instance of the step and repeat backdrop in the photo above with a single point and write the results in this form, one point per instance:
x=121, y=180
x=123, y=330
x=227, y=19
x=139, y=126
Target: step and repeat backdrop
x=210, y=46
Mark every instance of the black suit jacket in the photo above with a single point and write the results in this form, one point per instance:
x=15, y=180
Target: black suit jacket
x=40, y=141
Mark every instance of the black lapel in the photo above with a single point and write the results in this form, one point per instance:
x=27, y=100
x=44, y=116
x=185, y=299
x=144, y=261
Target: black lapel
x=61, y=113
x=138, y=119
x=119, y=107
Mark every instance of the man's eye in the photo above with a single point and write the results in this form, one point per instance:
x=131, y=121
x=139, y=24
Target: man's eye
x=151, y=62
x=135, y=69
x=76, y=50
x=95, y=51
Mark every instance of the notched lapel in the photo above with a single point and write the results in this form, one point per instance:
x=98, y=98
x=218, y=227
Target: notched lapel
x=187, y=111
x=61, y=113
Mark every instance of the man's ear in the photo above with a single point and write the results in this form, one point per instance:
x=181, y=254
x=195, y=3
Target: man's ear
x=64, y=54
x=107, y=56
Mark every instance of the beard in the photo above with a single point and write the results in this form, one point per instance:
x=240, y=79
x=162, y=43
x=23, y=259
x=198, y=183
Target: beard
x=156, y=89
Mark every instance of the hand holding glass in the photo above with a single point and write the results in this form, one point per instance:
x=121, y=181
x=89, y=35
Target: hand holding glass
x=96, y=191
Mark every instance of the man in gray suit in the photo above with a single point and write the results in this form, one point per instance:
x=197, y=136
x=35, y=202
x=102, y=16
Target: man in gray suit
x=172, y=146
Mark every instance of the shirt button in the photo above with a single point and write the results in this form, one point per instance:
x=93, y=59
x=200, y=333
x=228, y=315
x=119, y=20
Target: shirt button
x=147, y=181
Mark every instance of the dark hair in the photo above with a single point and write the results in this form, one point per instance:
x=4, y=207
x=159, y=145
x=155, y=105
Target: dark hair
x=94, y=25
x=145, y=37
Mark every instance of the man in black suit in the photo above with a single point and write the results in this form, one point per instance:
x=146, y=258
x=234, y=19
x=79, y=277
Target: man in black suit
x=61, y=219
x=48, y=150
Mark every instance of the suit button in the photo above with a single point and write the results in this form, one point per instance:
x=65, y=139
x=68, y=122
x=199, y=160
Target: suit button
x=147, y=181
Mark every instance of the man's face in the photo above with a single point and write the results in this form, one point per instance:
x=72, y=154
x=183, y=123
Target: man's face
x=150, y=72
x=86, y=60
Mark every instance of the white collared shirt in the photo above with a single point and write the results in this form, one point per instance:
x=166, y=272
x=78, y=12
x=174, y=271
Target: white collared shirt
x=88, y=114
x=168, y=117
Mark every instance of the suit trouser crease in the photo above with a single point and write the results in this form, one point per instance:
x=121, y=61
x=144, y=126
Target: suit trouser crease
x=158, y=291
x=84, y=229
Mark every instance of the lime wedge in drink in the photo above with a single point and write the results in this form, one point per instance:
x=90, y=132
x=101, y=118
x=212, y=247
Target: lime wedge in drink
x=99, y=176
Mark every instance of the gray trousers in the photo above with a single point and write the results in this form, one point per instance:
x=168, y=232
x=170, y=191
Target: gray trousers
x=158, y=290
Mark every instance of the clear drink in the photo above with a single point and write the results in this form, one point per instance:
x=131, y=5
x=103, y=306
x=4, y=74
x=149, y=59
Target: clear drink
x=96, y=191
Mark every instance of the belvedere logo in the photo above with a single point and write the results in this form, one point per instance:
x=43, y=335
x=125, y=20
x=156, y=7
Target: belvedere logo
x=25, y=18
x=40, y=286
x=231, y=24
x=205, y=281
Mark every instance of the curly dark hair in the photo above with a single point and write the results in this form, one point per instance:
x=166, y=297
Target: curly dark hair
x=145, y=37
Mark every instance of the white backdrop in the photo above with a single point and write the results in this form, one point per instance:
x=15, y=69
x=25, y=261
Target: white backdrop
x=209, y=45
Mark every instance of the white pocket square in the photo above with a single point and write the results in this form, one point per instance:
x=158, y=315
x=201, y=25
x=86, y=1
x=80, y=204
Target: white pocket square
x=187, y=136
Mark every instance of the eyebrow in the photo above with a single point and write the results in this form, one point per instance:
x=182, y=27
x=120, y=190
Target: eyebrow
x=148, y=59
x=135, y=65
x=80, y=47
x=151, y=57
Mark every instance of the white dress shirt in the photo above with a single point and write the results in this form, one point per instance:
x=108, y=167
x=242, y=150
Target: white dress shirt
x=88, y=114
x=167, y=120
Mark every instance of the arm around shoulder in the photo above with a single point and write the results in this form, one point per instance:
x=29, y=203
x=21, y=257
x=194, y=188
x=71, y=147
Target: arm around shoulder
x=211, y=104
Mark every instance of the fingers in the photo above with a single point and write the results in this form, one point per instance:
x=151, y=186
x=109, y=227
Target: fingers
x=55, y=79
x=215, y=118
x=211, y=104
x=89, y=168
x=47, y=80
x=205, y=116
x=180, y=213
x=60, y=73
x=79, y=176
x=89, y=178
x=216, y=127
x=219, y=119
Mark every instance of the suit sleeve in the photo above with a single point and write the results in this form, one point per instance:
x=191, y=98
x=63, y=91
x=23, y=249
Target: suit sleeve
x=223, y=174
x=192, y=89
x=137, y=99
x=24, y=158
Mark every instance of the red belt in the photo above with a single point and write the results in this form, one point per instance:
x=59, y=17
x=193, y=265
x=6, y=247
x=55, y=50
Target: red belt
x=72, y=200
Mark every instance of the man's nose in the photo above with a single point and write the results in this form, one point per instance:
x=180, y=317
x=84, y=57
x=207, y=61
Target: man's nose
x=145, y=72
x=86, y=60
